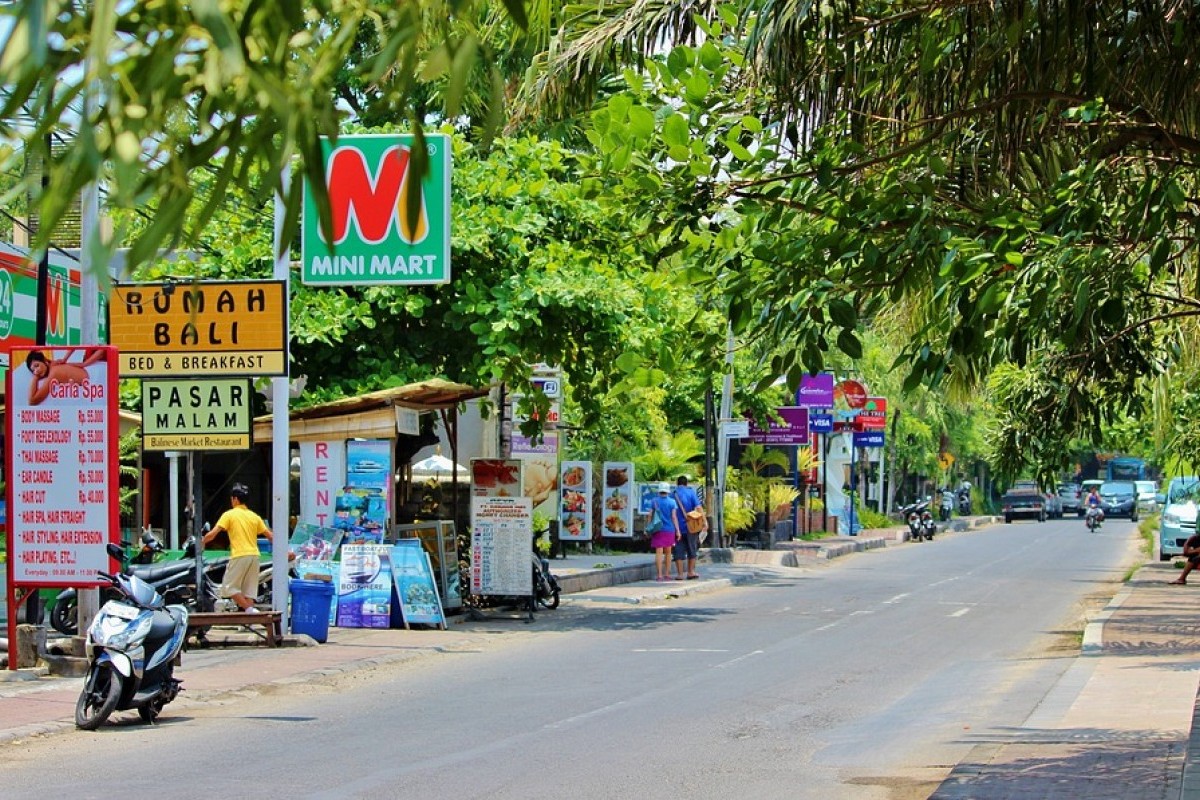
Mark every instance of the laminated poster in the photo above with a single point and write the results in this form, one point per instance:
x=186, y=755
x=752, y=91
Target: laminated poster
x=617, y=511
x=365, y=587
x=501, y=546
x=416, y=590
x=575, y=519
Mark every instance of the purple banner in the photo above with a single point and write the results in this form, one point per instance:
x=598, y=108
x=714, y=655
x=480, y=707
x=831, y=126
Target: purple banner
x=816, y=391
x=791, y=429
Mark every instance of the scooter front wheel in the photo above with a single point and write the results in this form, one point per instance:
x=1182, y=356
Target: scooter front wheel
x=101, y=691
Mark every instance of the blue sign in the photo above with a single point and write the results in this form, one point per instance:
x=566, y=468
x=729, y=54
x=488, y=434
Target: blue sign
x=868, y=438
x=820, y=423
x=416, y=590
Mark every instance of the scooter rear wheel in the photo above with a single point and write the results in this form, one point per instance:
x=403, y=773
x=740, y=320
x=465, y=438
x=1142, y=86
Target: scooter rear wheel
x=63, y=615
x=99, y=697
x=551, y=601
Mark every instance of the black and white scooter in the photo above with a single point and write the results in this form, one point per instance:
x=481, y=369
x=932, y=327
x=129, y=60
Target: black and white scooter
x=133, y=646
x=914, y=515
x=545, y=585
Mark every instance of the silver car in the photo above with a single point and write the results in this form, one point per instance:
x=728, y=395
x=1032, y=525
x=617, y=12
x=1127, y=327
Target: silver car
x=1147, y=492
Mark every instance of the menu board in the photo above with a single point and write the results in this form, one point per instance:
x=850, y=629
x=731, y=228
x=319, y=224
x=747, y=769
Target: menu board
x=416, y=591
x=575, y=517
x=365, y=587
x=61, y=464
x=502, y=546
x=617, y=519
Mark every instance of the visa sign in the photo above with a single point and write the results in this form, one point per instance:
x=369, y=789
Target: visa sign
x=372, y=240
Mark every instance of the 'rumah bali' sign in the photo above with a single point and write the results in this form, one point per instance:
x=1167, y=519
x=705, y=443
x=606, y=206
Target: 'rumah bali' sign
x=376, y=236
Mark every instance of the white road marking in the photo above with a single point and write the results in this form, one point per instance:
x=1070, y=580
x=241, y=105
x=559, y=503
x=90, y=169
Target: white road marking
x=593, y=713
x=731, y=662
x=676, y=650
x=896, y=599
x=960, y=612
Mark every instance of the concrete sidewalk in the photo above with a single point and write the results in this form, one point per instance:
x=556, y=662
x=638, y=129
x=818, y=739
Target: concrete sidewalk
x=1119, y=724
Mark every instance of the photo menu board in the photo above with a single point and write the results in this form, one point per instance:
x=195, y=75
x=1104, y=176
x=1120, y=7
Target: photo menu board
x=502, y=546
x=617, y=519
x=61, y=460
x=575, y=518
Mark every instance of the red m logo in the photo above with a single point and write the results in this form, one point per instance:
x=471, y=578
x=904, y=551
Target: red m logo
x=372, y=203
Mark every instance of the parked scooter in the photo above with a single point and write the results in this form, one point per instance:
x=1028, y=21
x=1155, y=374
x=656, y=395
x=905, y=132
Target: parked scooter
x=912, y=514
x=928, y=526
x=133, y=647
x=175, y=580
x=947, y=507
x=964, y=502
x=545, y=585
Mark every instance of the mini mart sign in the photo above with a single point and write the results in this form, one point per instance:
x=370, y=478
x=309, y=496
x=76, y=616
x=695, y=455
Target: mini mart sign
x=376, y=238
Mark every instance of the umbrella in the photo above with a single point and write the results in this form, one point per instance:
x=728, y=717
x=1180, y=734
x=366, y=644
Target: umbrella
x=437, y=467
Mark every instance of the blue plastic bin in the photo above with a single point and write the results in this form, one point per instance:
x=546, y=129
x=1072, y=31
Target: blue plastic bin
x=310, y=607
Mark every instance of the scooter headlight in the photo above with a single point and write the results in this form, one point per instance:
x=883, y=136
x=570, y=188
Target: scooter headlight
x=120, y=633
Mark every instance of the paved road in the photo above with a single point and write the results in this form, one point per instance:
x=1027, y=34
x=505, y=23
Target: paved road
x=861, y=679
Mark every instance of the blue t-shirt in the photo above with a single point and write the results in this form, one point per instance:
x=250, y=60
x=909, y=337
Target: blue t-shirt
x=688, y=498
x=665, y=508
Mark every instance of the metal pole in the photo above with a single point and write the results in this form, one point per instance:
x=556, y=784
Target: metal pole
x=280, y=485
x=173, y=492
x=722, y=440
x=89, y=329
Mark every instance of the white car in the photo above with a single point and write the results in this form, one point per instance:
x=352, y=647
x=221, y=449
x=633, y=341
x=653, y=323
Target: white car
x=1147, y=494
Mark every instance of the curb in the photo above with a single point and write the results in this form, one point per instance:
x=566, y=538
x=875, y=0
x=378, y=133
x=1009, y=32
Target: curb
x=1093, y=632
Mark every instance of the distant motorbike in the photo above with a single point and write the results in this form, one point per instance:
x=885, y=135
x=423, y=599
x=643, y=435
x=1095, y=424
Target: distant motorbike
x=1093, y=518
x=133, y=646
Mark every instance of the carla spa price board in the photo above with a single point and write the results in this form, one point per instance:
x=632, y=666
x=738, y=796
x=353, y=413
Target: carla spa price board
x=501, y=546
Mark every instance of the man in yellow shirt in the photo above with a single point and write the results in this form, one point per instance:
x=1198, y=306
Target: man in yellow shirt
x=244, y=527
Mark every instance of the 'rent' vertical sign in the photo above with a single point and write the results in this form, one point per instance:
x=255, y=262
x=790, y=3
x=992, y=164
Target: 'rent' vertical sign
x=375, y=237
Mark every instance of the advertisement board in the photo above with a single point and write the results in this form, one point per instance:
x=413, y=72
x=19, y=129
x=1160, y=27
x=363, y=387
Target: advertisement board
x=365, y=586
x=18, y=302
x=575, y=506
x=815, y=391
x=209, y=328
x=61, y=464
x=196, y=415
x=502, y=546
x=790, y=428
x=376, y=238
x=416, y=590
x=618, y=499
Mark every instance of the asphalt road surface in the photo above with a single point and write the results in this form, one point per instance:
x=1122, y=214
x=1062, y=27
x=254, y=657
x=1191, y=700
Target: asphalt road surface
x=869, y=677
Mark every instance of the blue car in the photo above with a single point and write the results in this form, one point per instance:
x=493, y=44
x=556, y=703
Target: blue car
x=1119, y=499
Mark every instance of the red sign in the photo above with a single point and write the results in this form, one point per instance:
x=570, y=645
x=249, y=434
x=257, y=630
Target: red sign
x=852, y=392
x=873, y=415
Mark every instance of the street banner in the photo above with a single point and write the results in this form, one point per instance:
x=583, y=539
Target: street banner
x=61, y=464
x=618, y=499
x=19, y=303
x=849, y=394
x=502, y=546
x=873, y=415
x=815, y=391
x=868, y=438
x=210, y=328
x=322, y=479
x=820, y=423
x=196, y=414
x=575, y=517
x=791, y=428
x=375, y=238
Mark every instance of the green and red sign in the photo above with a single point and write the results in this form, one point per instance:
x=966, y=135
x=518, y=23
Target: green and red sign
x=375, y=237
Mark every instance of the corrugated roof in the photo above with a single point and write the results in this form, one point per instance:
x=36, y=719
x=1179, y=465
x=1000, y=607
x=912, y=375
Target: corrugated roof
x=429, y=395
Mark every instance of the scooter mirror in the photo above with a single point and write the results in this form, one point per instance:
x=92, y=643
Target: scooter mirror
x=115, y=552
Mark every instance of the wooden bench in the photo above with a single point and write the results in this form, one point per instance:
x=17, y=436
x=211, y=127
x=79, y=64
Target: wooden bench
x=270, y=621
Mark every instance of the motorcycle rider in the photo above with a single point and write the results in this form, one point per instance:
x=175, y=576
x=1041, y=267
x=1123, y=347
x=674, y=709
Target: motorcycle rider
x=1092, y=504
x=947, y=503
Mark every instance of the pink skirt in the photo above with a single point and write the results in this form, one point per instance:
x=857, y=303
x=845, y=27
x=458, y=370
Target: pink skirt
x=662, y=539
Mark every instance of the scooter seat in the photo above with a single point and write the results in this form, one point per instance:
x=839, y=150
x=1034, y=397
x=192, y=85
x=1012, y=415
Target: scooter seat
x=155, y=573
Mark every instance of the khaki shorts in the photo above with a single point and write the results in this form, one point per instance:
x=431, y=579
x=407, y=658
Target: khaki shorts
x=241, y=577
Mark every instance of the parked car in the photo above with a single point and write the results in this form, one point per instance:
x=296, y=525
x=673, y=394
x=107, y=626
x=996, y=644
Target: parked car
x=1070, y=496
x=1178, y=521
x=1147, y=494
x=1023, y=504
x=1119, y=499
x=1054, y=505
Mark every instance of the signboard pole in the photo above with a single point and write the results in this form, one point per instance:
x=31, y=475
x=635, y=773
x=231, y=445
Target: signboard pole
x=279, y=421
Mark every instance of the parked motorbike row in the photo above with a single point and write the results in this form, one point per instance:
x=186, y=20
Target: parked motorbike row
x=174, y=580
x=920, y=520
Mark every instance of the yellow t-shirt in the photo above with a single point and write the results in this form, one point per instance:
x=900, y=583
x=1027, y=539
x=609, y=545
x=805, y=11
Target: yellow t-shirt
x=243, y=527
